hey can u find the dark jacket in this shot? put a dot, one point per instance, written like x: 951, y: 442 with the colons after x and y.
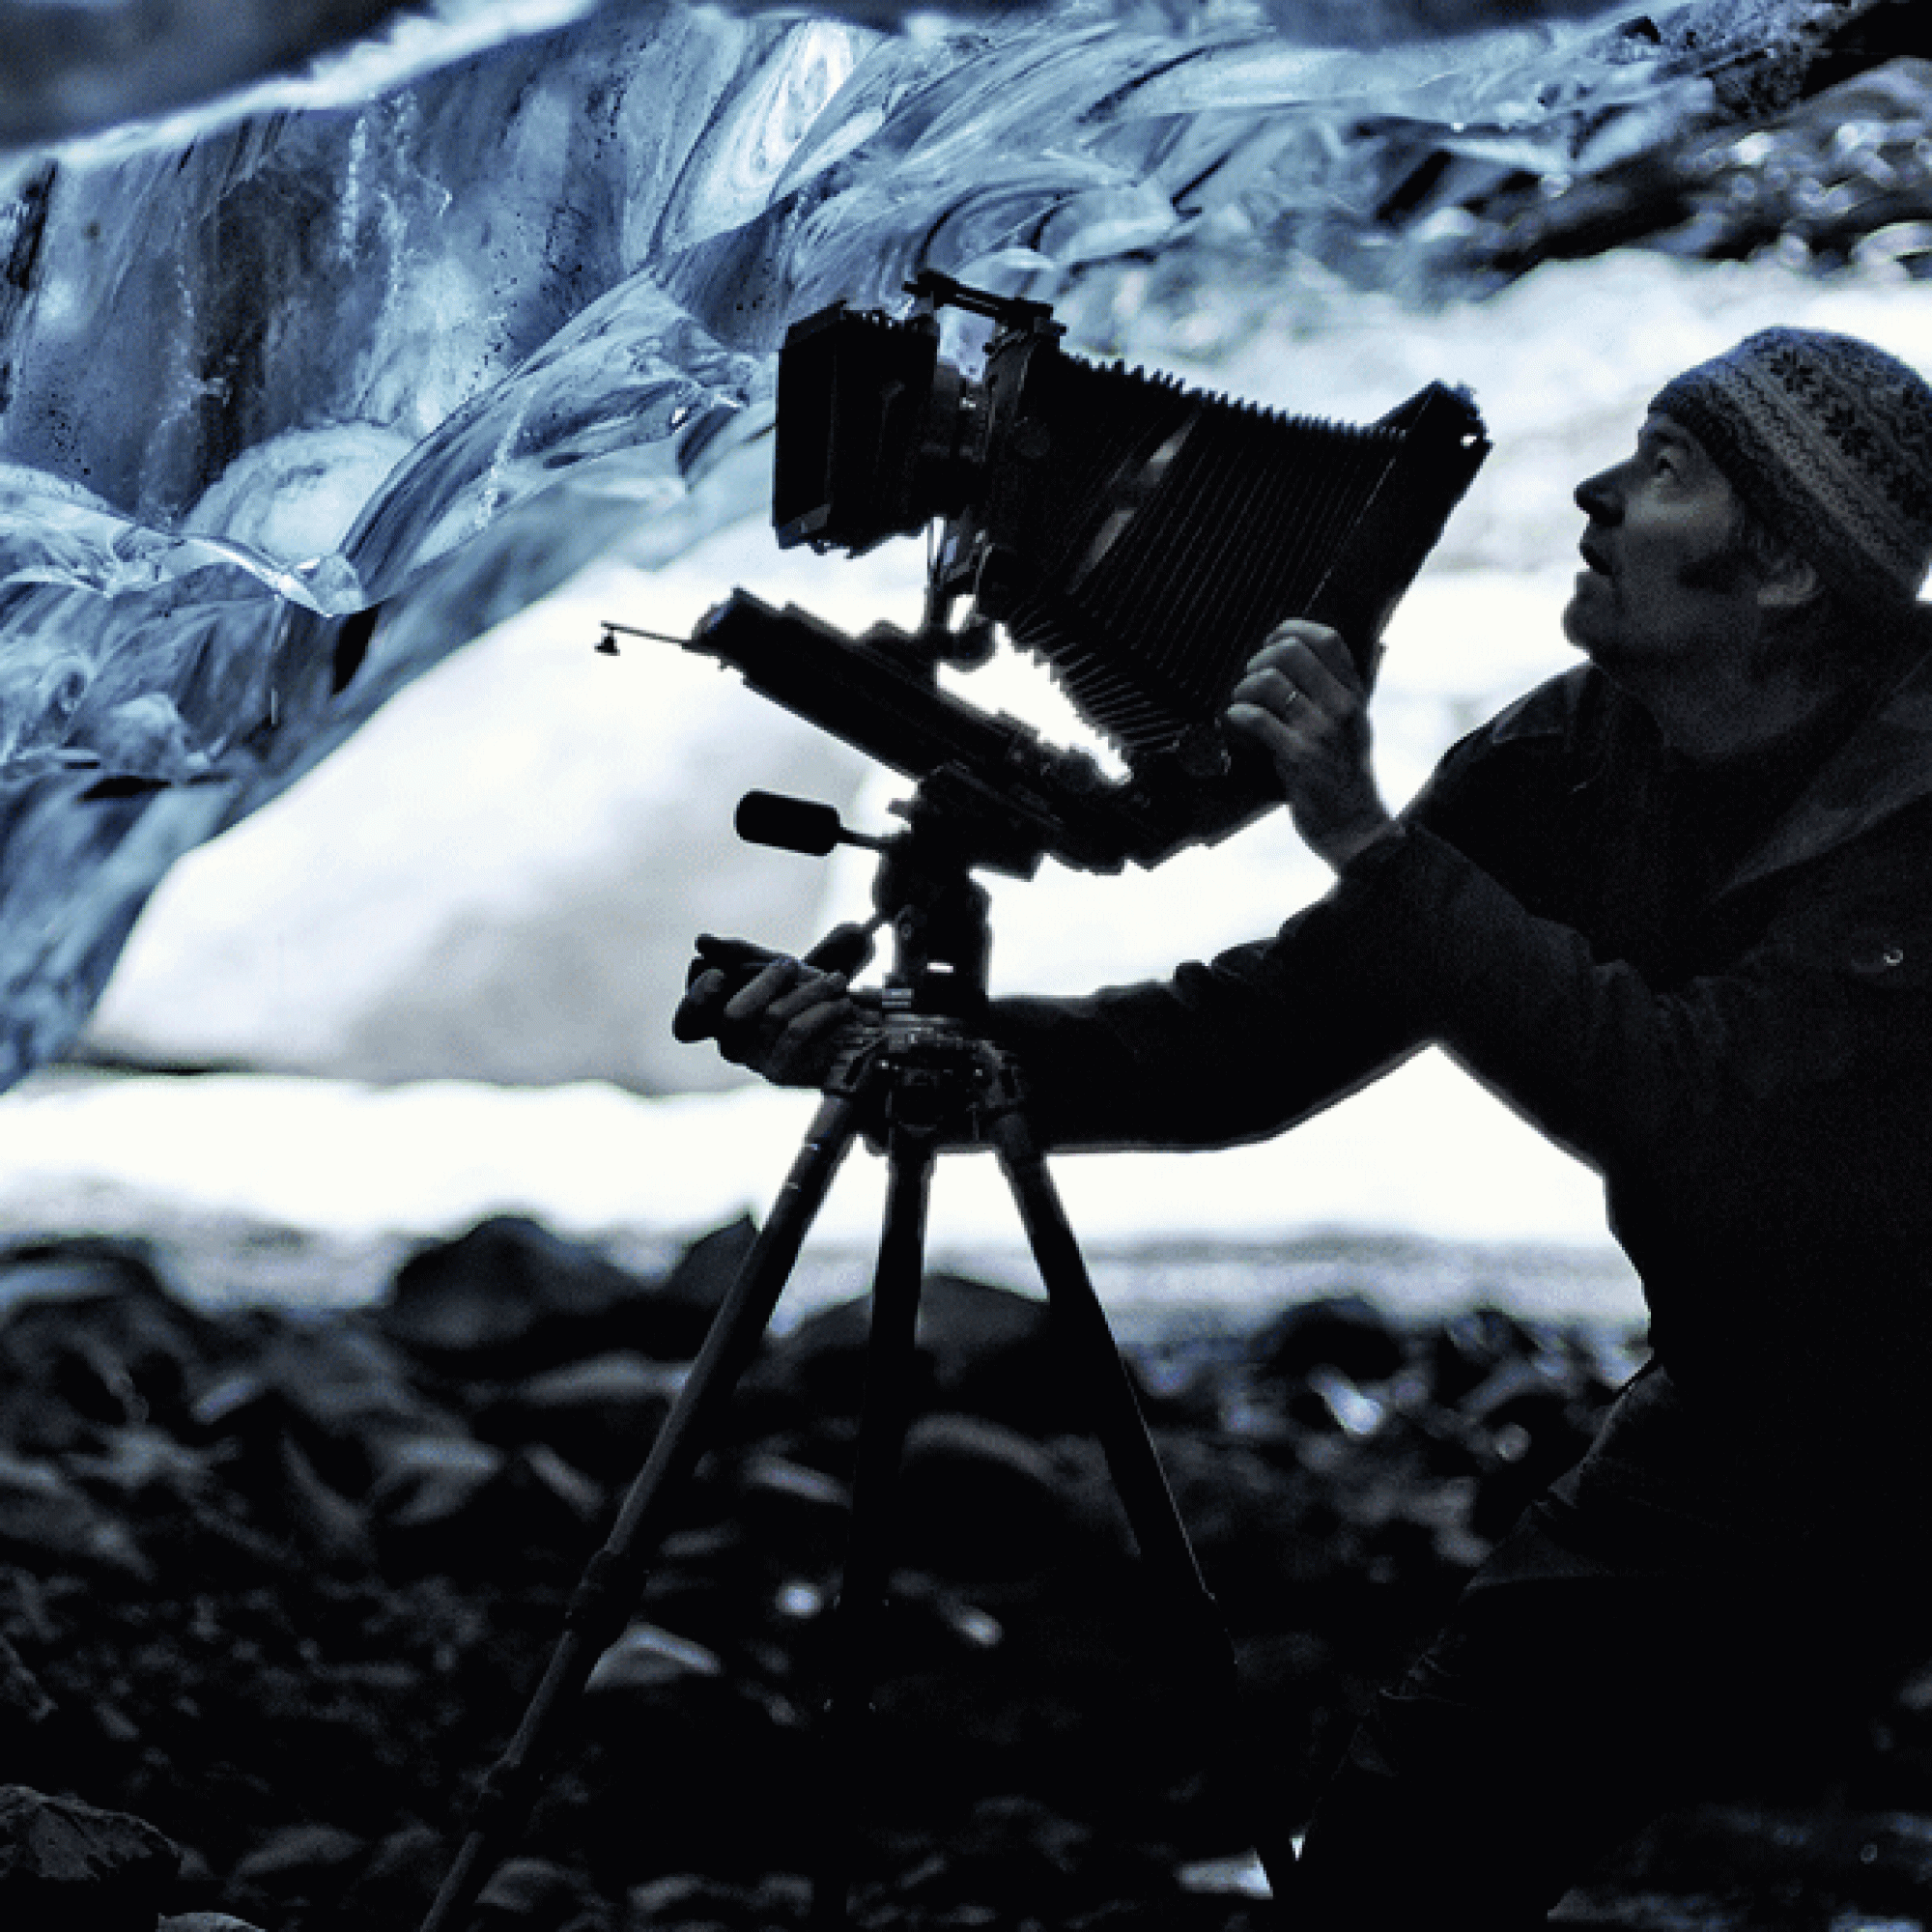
x: 1717, y: 991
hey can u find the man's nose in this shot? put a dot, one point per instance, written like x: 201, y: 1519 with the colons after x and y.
x: 1597, y: 495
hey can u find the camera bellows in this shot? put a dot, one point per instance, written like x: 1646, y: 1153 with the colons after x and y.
x: 1157, y: 535
x: 1141, y: 537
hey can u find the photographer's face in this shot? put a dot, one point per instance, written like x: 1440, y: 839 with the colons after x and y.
x: 1666, y: 573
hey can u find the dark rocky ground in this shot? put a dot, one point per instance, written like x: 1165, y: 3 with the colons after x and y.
x: 276, y: 1586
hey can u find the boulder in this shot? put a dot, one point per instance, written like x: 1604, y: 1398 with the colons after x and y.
x: 980, y: 1500
x: 696, y: 1760
x: 674, y: 1321
x: 301, y: 1865
x: 23, y: 1699
x: 91, y: 1337
x: 471, y: 1509
x: 1534, y: 1415
x: 1015, y: 1858
x: 48, y: 1521
x: 399, y: 1879
x: 601, y: 1415
x: 348, y: 1391
x: 532, y: 1894
x: 646, y: 1662
x: 796, y: 1516
x: 66, y: 1864
x: 685, y: 1900
x: 981, y: 1350
x: 1344, y: 1332
x: 1465, y: 1349
x: 508, y: 1297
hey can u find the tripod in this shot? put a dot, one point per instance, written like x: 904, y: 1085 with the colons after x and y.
x: 918, y: 1078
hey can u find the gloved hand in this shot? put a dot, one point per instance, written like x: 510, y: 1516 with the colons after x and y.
x: 784, y: 1019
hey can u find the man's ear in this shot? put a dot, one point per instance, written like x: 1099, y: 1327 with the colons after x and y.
x: 1788, y: 582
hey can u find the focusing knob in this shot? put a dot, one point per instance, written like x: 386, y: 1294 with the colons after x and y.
x: 794, y: 825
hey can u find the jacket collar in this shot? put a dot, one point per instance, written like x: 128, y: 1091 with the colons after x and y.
x: 1883, y: 765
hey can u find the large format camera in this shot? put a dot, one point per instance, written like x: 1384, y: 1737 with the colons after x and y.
x: 1139, y: 536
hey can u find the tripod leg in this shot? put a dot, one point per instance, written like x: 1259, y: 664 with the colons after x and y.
x: 890, y: 1356
x: 616, y: 1576
x: 1133, y: 1459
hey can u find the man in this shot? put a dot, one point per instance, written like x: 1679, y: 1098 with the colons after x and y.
x: 1676, y: 907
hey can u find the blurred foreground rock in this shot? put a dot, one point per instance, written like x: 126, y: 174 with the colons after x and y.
x: 275, y: 1586
x: 64, y: 1863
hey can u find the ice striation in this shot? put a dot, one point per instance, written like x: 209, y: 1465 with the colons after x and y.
x: 305, y: 384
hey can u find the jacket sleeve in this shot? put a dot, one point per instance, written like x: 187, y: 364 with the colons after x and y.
x: 1229, y: 1050
x: 1626, y: 1076
x: 1419, y: 943
x: 1268, y: 1034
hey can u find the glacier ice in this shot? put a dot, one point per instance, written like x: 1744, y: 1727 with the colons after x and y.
x: 303, y: 386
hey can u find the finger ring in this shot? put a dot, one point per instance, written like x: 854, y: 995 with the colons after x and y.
x: 1288, y: 702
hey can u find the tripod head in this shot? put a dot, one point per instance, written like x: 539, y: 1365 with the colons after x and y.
x: 915, y: 1063
x: 924, y: 890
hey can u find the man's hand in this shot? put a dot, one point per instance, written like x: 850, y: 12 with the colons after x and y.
x: 785, y: 1022
x: 1305, y: 704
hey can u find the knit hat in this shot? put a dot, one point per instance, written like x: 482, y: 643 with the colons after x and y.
x: 1829, y: 441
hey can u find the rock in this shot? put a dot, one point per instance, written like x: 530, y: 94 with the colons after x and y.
x: 47, y: 1520
x: 600, y: 1416
x: 1536, y: 1415
x: 698, y: 1724
x: 239, y: 1404
x: 1824, y: 1864
x: 1345, y: 1332
x: 532, y: 1895
x: 796, y: 1516
x: 1330, y: 1401
x: 361, y: 1557
x: 1015, y: 1858
x: 274, y: 1457
x: 979, y: 1500
x: 348, y: 1390
x: 983, y: 1349
x: 30, y: 1720
x: 1245, y: 1516
x: 698, y: 1763
x: 687, y: 1902
x: 301, y: 1865
x: 23, y: 1699
x: 91, y: 1337
x: 1466, y: 1349
x: 142, y: 1469
x: 1523, y: 1393
x: 646, y: 1660
x: 453, y: 1504
x: 675, y: 1319
x: 400, y: 1880
x: 321, y: 1520
x: 427, y: 1481
x: 309, y: 1422
x: 507, y: 1298
x: 65, y: 1864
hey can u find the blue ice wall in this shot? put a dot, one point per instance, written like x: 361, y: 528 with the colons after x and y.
x: 301, y: 388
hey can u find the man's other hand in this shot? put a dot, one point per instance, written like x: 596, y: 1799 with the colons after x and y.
x: 786, y: 1021
x: 1302, y: 700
